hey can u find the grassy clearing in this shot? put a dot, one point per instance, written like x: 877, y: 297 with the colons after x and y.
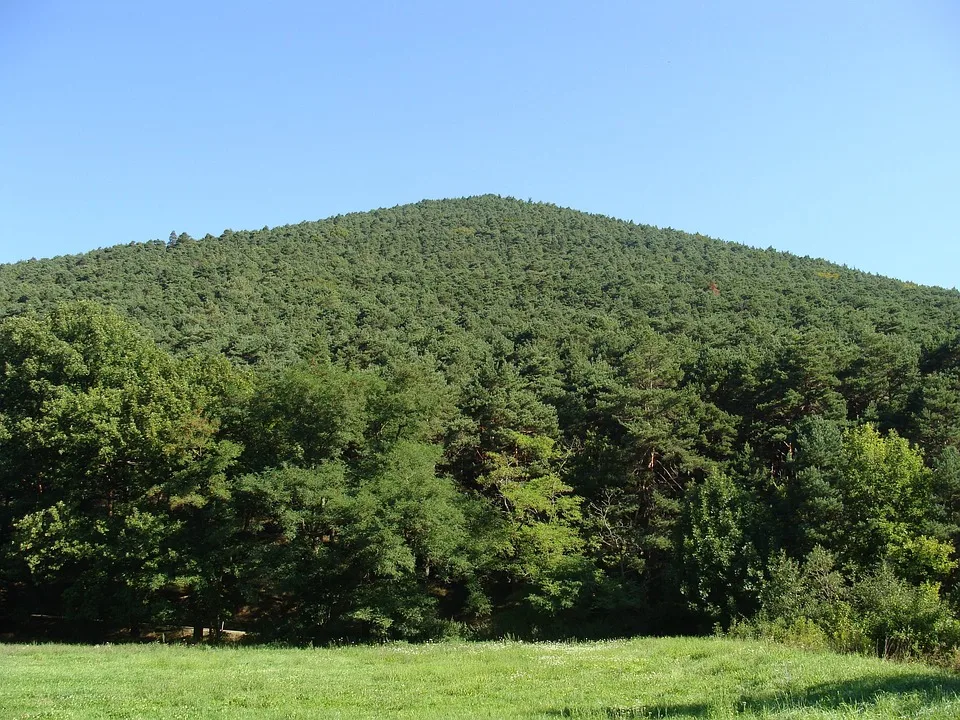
x: 675, y: 678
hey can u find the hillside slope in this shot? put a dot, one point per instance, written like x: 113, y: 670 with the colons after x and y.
x: 434, y: 273
x: 479, y: 417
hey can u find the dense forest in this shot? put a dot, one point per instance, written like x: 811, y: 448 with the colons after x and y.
x: 479, y: 417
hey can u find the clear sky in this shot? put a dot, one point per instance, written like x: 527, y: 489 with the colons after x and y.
x: 824, y: 127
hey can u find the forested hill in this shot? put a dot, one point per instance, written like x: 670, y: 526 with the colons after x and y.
x: 479, y: 417
x: 441, y: 276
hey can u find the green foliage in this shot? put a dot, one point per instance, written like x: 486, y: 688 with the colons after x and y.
x: 544, y: 561
x: 305, y: 415
x: 340, y: 558
x: 811, y: 603
x: 875, y: 503
x: 808, y: 603
x: 901, y: 619
x: 476, y: 416
x: 108, y: 454
x: 717, y: 560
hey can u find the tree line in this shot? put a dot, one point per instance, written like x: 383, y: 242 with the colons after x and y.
x: 479, y: 418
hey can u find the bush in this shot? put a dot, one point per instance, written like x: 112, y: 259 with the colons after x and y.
x: 810, y: 604
x: 801, y: 632
x: 904, y: 620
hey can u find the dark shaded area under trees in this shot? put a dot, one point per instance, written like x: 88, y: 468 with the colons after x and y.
x: 478, y: 417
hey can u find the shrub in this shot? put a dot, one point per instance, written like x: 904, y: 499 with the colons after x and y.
x: 904, y: 620
x: 810, y: 604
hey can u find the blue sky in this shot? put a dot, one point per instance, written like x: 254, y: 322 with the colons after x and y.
x: 829, y: 129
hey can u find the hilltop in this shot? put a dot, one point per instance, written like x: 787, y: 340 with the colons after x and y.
x: 437, y: 275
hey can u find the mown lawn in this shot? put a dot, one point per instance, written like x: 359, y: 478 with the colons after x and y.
x: 667, y: 678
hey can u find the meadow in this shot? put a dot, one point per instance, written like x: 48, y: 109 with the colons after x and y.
x: 665, y: 678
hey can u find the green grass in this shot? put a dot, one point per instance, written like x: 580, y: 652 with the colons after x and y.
x: 668, y: 678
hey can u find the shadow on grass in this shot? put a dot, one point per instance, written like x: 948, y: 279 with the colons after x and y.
x: 52, y: 629
x: 918, y: 689
x: 925, y: 689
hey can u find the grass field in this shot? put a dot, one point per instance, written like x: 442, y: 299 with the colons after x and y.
x: 667, y: 678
